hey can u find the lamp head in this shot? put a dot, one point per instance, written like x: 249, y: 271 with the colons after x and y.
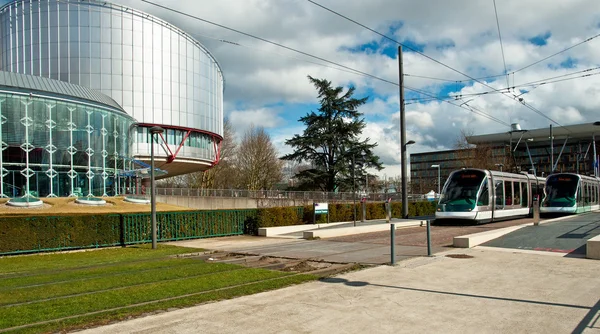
x: 156, y: 129
x: 410, y: 142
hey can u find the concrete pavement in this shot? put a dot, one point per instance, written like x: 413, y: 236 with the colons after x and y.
x: 491, y: 292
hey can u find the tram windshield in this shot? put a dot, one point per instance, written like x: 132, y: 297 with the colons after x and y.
x: 561, y: 190
x: 461, y: 189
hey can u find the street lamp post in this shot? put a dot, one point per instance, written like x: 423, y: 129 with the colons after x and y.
x: 438, y: 183
x: 354, y: 188
x: 404, y: 194
x: 153, y: 131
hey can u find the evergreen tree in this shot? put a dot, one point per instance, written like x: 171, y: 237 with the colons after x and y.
x: 330, y: 142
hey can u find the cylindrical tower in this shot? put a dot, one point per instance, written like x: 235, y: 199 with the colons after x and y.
x: 159, y: 74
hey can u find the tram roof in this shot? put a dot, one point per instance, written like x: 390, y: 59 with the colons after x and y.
x: 60, y: 89
x: 576, y: 131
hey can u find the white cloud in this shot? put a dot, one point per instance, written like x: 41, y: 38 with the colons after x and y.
x: 260, y: 75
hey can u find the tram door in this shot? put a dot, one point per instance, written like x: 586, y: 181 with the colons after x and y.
x: 499, y: 192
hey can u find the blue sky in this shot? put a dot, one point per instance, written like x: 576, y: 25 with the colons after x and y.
x: 267, y: 85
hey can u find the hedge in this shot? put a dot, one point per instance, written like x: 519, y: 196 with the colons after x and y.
x: 340, y: 212
x: 46, y: 233
x: 29, y: 234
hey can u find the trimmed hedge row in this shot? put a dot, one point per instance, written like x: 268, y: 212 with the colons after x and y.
x: 29, y: 234
x: 36, y: 233
x: 341, y: 212
x: 338, y: 212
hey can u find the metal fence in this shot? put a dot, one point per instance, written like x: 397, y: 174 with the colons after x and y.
x: 298, y: 195
x: 173, y: 226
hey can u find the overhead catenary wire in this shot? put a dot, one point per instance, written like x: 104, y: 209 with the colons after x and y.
x: 557, y: 53
x: 501, y: 46
x: 289, y: 48
x: 428, y: 57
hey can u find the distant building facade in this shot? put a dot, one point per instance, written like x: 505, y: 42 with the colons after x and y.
x: 573, y: 149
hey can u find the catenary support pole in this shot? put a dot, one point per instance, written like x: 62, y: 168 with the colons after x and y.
x: 402, y: 136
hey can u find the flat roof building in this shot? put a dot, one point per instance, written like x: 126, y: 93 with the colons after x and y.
x: 571, y: 149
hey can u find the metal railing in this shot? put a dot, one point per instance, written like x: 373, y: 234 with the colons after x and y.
x: 284, y: 194
x: 185, y: 225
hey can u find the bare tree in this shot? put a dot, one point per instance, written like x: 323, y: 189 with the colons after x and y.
x: 257, y: 161
x: 473, y: 156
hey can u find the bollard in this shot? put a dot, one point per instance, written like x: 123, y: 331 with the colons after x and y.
x: 536, y: 212
x: 392, y: 242
x: 428, y: 237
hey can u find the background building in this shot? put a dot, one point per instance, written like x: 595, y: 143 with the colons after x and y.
x: 572, y: 149
x: 154, y: 72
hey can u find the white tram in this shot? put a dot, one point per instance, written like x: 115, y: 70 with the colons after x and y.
x: 570, y: 193
x: 485, y: 196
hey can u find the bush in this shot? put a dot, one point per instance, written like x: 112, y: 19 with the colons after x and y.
x: 271, y: 217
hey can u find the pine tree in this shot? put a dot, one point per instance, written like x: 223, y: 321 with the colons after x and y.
x: 330, y: 143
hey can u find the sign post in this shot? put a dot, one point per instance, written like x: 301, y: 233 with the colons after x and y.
x: 363, y: 202
x: 320, y: 209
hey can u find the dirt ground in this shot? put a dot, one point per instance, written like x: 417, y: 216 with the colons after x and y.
x: 62, y: 205
x: 441, y: 235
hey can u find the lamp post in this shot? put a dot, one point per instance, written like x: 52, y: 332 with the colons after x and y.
x: 438, y: 167
x: 404, y: 194
x: 153, y: 131
x: 354, y: 188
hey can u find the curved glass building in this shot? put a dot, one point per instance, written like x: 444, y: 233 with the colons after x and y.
x: 153, y: 71
x: 60, y: 139
x: 100, y: 74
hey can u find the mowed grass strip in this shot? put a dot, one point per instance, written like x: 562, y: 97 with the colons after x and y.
x: 79, y: 305
x: 181, y: 268
x: 103, y: 318
x: 38, y: 263
x: 31, y: 280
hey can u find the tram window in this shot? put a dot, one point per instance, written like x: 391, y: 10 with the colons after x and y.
x: 524, y: 198
x: 499, y: 190
x: 516, y: 193
x: 508, y: 193
x: 484, y: 197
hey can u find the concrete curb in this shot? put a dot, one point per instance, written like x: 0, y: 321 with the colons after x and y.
x: 275, y: 231
x: 593, y: 248
x: 475, y: 239
x: 343, y: 231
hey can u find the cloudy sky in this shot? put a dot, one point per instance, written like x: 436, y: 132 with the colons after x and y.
x: 267, y: 85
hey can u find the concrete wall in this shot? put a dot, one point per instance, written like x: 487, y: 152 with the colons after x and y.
x: 215, y: 203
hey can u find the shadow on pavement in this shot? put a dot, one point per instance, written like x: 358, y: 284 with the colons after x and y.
x: 586, y: 320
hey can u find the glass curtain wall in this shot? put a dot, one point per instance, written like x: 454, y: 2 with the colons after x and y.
x: 158, y: 73
x: 54, y: 148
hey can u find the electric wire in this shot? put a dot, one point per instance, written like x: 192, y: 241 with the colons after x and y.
x: 501, y: 46
x: 282, y: 46
x: 557, y: 53
x: 428, y: 57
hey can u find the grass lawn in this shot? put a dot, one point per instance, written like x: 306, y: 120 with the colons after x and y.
x: 57, y: 206
x: 66, y: 291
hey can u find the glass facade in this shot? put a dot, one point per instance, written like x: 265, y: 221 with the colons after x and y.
x: 54, y: 145
x: 156, y: 72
